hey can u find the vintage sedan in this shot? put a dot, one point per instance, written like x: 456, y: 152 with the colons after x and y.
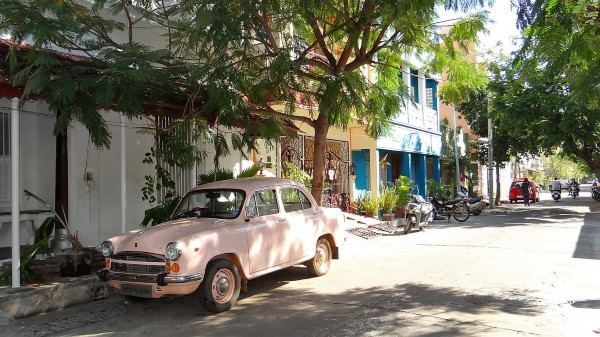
x: 221, y: 235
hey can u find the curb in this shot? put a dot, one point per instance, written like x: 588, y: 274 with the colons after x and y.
x: 28, y: 301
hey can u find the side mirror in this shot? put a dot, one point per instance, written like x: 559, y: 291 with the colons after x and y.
x: 250, y: 212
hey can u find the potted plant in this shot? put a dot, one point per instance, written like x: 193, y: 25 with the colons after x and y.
x: 367, y: 205
x: 73, y: 261
x: 387, y: 202
x: 402, y: 190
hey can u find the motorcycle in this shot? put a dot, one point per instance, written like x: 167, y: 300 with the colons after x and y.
x: 596, y: 193
x: 556, y: 195
x: 418, y: 213
x: 455, y: 208
x: 574, y: 190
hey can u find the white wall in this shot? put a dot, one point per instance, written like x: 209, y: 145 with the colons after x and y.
x: 95, y: 208
x: 37, y: 143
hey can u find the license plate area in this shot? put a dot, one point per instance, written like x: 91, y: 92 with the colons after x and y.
x: 136, y: 290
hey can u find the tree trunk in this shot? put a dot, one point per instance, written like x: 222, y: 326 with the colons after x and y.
x: 321, y: 129
x: 497, y: 199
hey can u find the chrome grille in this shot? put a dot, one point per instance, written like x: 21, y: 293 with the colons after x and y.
x: 137, y: 268
x: 138, y: 263
x: 138, y: 257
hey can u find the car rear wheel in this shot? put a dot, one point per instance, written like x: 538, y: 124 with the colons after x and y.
x: 220, y: 288
x: 320, y: 263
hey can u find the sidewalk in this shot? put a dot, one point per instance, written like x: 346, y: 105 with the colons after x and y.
x: 35, y: 299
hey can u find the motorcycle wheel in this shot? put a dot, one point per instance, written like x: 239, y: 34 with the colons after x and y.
x: 477, y: 212
x: 408, y: 225
x: 461, y: 213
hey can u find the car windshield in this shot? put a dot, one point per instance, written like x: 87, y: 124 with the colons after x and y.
x: 222, y: 203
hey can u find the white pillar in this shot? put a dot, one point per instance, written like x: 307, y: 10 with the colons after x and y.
x: 406, y: 76
x: 422, y: 96
x: 15, y: 188
x: 123, y: 175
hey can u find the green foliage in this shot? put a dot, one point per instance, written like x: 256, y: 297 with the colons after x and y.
x: 551, y: 78
x: 402, y: 189
x: 297, y: 174
x: 161, y: 213
x: 367, y: 204
x: 219, y: 174
x: 388, y: 198
x: 232, y: 59
x: 436, y: 189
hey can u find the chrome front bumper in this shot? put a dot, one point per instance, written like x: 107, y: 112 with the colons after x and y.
x: 161, y: 279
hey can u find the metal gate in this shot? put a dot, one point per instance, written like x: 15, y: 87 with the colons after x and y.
x: 300, y: 151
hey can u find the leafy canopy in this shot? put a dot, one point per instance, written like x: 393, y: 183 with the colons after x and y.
x: 321, y: 63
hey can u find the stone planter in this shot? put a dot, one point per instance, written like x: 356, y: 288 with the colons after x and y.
x: 72, y: 263
x: 387, y: 217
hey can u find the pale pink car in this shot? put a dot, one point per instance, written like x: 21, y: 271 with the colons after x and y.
x: 222, y: 235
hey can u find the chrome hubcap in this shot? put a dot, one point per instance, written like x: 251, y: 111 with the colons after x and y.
x: 223, y: 285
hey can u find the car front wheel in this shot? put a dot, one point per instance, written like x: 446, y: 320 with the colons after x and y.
x: 320, y: 263
x: 220, y: 288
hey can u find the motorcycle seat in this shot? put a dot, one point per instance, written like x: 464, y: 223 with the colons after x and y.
x: 452, y: 202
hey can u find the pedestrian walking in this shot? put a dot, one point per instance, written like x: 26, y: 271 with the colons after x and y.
x: 526, y: 191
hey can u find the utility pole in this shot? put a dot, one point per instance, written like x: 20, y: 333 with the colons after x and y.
x: 456, y: 152
x: 490, y: 164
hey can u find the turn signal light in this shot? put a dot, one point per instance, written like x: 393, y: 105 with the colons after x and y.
x: 107, y: 263
x: 175, y: 267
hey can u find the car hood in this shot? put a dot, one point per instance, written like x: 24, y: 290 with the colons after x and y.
x: 154, y: 239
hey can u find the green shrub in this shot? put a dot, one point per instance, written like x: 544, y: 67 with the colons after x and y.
x: 388, y: 199
x: 367, y: 204
x: 402, y: 189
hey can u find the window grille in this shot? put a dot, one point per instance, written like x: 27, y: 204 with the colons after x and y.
x: 429, y: 98
x: 181, y: 177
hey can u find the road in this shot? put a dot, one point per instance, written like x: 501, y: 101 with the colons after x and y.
x: 518, y: 271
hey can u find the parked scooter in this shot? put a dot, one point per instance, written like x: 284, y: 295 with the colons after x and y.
x: 556, y: 195
x: 455, y: 208
x: 474, y: 204
x: 419, y: 213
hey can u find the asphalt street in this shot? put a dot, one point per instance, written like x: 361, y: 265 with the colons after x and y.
x: 514, y: 271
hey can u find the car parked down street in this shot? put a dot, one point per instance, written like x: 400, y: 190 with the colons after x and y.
x: 515, y: 191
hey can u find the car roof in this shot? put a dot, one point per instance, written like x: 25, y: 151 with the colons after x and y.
x: 248, y: 184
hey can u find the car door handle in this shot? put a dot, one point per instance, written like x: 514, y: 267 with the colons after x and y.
x: 282, y: 219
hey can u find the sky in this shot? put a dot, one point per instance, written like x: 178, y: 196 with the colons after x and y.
x: 502, y: 27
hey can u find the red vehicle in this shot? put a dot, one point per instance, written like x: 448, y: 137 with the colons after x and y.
x: 515, y: 191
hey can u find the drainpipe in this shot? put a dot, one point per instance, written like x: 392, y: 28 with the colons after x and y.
x: 14, y: 176
x: 123, y: 175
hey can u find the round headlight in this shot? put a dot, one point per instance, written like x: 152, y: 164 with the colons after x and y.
x: 106, y: 248
x: 173, y: 252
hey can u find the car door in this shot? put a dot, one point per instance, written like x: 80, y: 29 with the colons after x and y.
x: 303, y: 219
x: 267, y: 233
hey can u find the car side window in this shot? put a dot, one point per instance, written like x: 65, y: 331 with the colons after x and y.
x: 294, y: 199
x: 265, y: 202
